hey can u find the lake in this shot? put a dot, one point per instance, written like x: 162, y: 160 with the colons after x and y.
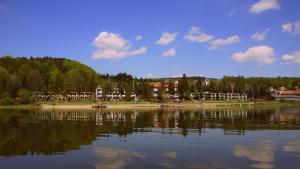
x: 217, y: 138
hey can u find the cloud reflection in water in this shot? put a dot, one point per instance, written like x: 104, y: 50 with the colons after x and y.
x: 292, y: 146
x: 114, y: 158
x: 262, y: 153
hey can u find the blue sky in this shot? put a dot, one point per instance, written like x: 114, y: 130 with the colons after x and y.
x: 211, y: 37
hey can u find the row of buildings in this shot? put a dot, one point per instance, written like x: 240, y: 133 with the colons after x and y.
x: 163, y: 87
x: 156, y: 87
x: 224, y: 96
x: 114, y: 95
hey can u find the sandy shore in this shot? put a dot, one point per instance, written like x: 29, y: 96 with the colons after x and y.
x: 138, y: 105
x: 109, y: 106
x: 194, y: 105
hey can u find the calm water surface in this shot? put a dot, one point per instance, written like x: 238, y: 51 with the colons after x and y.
x: 226, y: 138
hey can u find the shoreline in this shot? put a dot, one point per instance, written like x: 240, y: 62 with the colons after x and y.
x: 142, y: 105
x: 109, y: 106
x: 213, y: 104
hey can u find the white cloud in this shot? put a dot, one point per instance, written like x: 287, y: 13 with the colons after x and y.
x: 221, y: 42
x: 111, y: 40
x: 170, y: 52
x: 288, y: 27
x: 264, y: 5
x: 114, y: 46
x: 260, y: 54
x: 195, y: 30
x: 177, y: 75
x: 293, y: 28
x: 139, y: 37
x: 260, y: 36
x: 166, y: 38
x: 149, y: 75
x: 195, y: 35
x: 292, y: 58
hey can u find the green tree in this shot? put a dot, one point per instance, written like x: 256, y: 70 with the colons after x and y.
x: 144, y: 90
x: 6, y: 99
x: 55, y: 82
x: 184, y: 88
x: 213, y: 86
x: 171, y: 87
x: 129, y: 90
x: 25, y: 96
x: 160, y: 93
x: 199, y: 86
x: 108, y: 87
x: 4, y: 78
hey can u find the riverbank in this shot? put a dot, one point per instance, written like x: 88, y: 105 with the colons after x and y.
x: 144, y: 104
x: 185, y: 104
x: 109, y: 106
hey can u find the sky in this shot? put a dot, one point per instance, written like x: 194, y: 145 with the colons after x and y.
x: 166, y: 38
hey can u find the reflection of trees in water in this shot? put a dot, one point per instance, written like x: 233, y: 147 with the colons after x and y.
x: 20, y: 134
x: 24, y: 131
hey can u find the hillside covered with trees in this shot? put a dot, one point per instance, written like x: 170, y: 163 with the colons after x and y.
x: 21, y: 76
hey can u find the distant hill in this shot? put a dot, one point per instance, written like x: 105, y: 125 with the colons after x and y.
x: 45, y: 74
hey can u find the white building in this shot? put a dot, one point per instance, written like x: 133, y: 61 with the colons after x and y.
x: 99, y: 92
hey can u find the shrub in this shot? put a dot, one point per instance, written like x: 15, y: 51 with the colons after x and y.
x: 25, y: 96
x: 6, y: 99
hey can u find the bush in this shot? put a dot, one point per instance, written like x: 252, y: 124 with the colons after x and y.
x: 25, y: 96
x: 6, y: 99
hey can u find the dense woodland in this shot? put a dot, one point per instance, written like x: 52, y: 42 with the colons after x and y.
x: 21, y: 76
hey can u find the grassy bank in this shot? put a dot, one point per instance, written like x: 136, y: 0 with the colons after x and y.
x: 29, y: 106
x: 196, y: 104
x: 144, y: 104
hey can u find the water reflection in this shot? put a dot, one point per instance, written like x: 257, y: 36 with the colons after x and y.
x: 232, y: 121
x: 169, y: 154
x: 114, y: 158
x: 212, y: 164
x: 37, y: 132
x: 292, y: 146
x: 168, y: 158
x: 262, y: 153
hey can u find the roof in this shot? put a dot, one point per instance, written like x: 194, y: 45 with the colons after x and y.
x: 166, y: 85
x: 290, y: 92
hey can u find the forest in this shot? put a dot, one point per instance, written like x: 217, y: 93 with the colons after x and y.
x: 21, y: 76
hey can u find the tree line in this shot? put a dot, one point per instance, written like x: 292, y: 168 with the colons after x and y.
x: 20, y: 76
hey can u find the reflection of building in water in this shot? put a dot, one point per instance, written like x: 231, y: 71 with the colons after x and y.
x: 233, y: 121
x: 286, y: 116
x: 72, y: 116
x: 98, y: 119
